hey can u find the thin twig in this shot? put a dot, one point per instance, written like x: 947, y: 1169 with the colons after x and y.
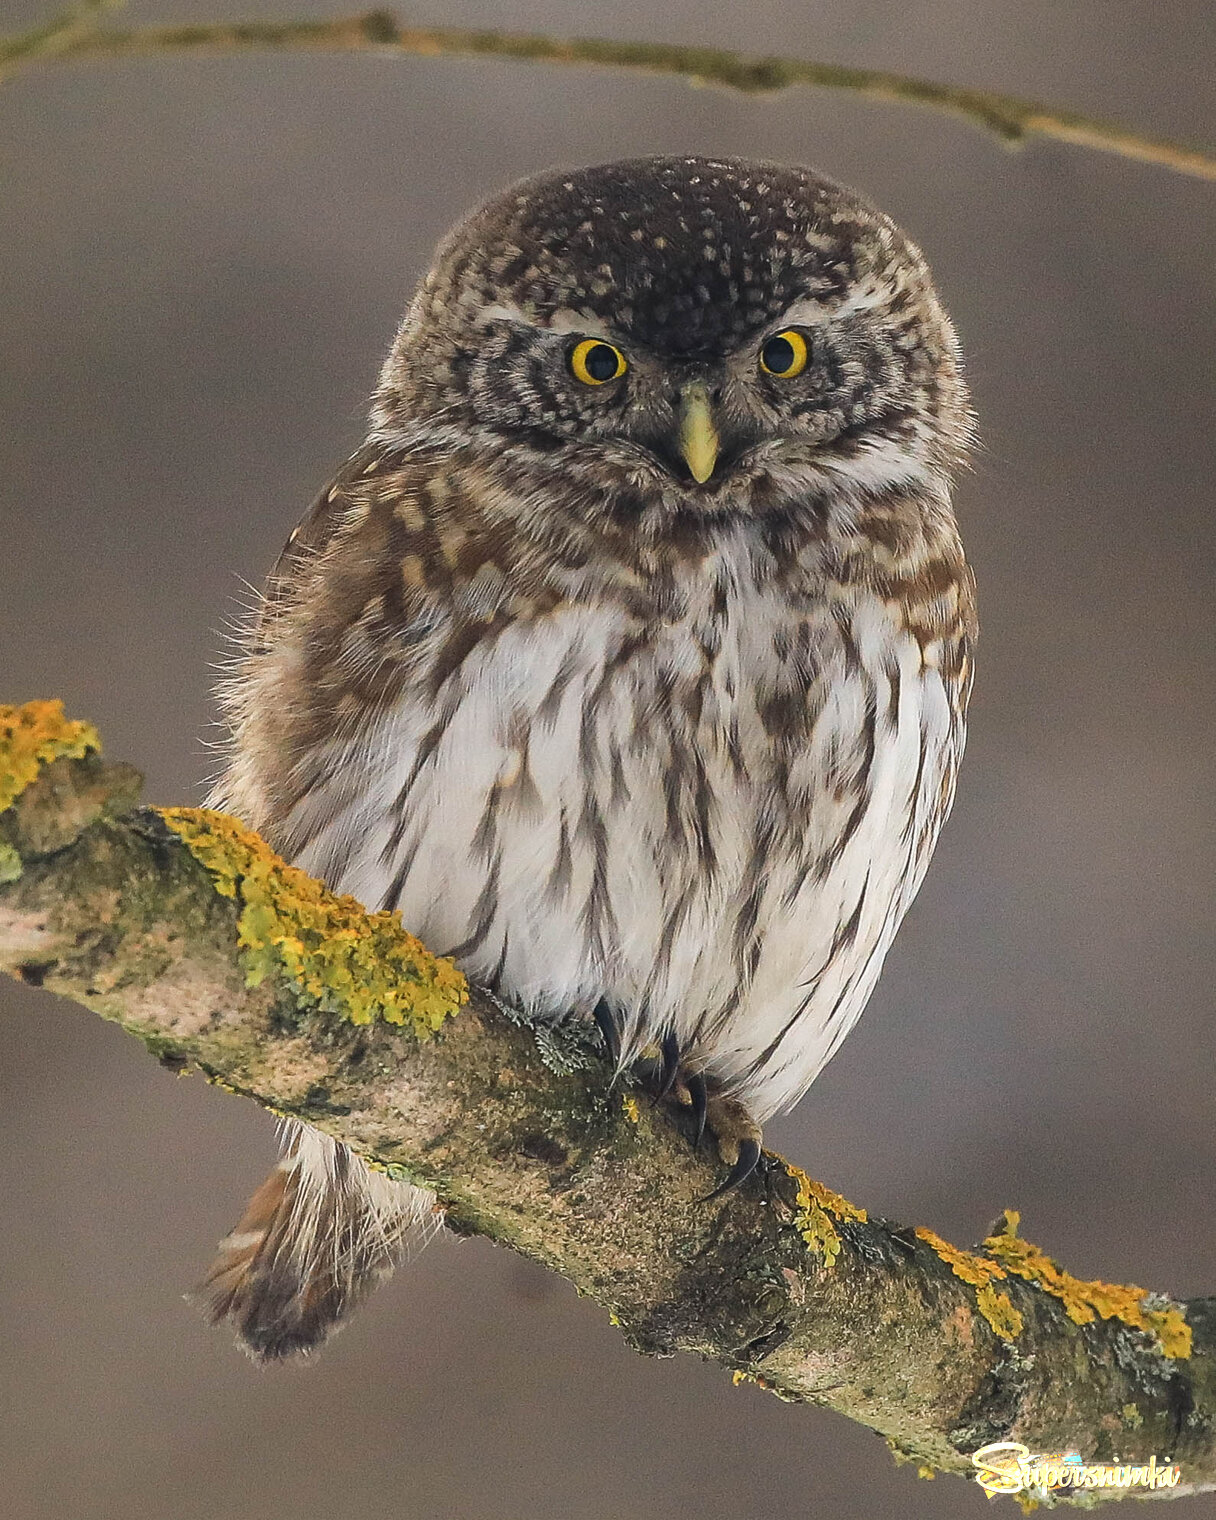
x: 53, y: 36
x: 1008, y: 116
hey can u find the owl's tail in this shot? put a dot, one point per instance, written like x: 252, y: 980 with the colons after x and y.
x: 318, y: 1235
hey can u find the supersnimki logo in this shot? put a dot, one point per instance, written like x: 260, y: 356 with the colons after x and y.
x: 1009, y: 1467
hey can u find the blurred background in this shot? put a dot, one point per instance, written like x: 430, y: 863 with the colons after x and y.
x: 202, y: 264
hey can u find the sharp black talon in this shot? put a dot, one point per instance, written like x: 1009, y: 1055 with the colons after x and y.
x: 609, y: 1032
x: 668, y: 1068
x: 749, y: 1157
x: 700, y: 1103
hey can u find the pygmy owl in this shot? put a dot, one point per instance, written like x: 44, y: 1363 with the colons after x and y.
x: 628, y: 657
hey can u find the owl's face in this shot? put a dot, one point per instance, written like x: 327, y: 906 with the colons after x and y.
x: 720, y: 333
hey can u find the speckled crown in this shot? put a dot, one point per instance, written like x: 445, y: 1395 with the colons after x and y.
x: 691, y: 256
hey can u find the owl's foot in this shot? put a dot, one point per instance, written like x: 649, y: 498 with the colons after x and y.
x: 738, y: 1137
x: 692, y: 1090
x: 736, y: 1133
x: 665, y: 1057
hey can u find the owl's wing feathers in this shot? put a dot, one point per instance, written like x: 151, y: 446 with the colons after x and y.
x: 362, y: 582
x: 311, y: 535
x: 322, y: 1229
x: 396, y: 563
x: 310, y: 652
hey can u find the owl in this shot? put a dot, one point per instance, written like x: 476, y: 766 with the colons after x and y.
x: 628, y: 657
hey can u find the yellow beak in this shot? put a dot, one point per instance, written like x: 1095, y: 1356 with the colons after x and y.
x: 699, y: 441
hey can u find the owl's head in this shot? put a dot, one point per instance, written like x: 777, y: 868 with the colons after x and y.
x: 719, y: 332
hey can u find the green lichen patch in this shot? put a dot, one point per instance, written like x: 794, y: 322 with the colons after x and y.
x: 10, y: 863
x: 331, y: 953
x: 815, y: 1209
x: 1085, y: 1301
x: 979, y: 1273
x: 33, y: 735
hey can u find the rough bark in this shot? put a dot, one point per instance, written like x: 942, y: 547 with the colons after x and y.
x: 525, y: 1141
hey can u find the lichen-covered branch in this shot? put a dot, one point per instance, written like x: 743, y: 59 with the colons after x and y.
x: 1009, y: 116
x: 186, y: 930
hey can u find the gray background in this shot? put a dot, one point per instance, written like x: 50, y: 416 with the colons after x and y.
x: 202, y: 263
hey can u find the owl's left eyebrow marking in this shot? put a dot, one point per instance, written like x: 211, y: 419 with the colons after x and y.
x: 804, y: 313
x: 564, y: 320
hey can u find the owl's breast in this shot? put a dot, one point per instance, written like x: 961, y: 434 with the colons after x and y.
x: 714, y: 819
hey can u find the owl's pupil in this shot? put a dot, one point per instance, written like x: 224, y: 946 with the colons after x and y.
x: 778, y: 355
x: 601, y: 362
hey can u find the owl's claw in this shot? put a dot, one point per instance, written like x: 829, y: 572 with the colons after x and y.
x: 669, y: 1068
x: 698, y: 1098
x: 738, y: 1136
x: 746, y: 1163
x: 736, y: 1132
x: 609, y: 1032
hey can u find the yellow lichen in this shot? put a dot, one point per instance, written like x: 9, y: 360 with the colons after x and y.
x: 1085, y: 1301
x: 809, y: 1189
x: 820, y: 1234
x: 979, y: 1273
x: 997, y: 1309
x: 1171, y: 1329
x: 815, y: 1207
x: 630, y: 1104
x: 926, y: 1472
x: 33, y: 735
x: 1009, y: 1255
x: 332, y: 954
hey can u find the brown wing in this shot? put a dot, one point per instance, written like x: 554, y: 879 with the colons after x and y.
x: 310, y: 536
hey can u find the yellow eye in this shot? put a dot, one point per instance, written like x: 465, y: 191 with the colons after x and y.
x: 593, y: 362
x: 785, y: 354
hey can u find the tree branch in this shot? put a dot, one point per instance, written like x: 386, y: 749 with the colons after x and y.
x: 1010, y: 117
x: 186, y: 930
x: 53, y: 36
